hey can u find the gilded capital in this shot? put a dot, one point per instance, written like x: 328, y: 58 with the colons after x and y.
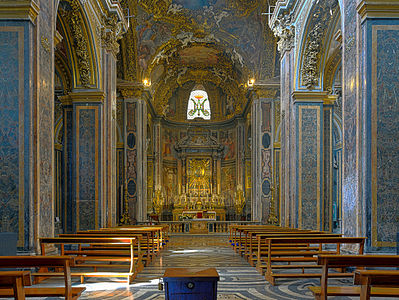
x: 130, y: 90
x: 26, y: 10
x: 111, y: 32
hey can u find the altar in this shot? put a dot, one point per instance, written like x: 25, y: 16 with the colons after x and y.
x: 216, y: 214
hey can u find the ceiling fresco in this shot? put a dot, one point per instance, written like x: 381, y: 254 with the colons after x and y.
x: 223, y: 42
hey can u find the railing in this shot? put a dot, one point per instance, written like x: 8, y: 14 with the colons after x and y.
x: 213, y: 226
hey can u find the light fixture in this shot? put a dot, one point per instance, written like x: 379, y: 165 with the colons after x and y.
x: 251, y: 82
x: 146, y: 82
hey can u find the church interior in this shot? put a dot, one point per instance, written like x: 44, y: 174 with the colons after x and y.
x: 198, y: 131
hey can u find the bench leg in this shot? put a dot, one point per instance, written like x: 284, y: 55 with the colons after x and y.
x: 82, y: 279
x: 19, y: 292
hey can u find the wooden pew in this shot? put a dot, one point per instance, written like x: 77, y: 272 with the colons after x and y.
x: 262, y: 249
x: 144, y: 249
x: 308, y: 256
x: 134, y: 264
x: 372, y: 280
x: 249, y: 252
x: 63, y: 262
x: 343, y: 261
x: 15, y: 280
x: 163, y: 230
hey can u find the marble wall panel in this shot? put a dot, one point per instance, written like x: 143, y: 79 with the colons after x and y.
x: 309, y: 166
x: 15, y: 129
x: 384, y: 133
x: 10, y: 122
x: 88, y: 153
x: 70, y: 205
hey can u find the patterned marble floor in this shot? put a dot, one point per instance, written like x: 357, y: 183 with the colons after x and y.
x: 238, y: 280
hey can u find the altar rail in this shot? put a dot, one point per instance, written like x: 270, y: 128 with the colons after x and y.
x: 213, y: 226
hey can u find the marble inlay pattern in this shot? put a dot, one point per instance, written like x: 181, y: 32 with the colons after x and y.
x: 238, y: 280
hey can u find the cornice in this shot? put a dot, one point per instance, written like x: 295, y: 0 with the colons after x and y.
x: 310, y: 97
x: 83, y: 97
x: 129, y: 89
x: 378, y: 9
x: 25, y: 10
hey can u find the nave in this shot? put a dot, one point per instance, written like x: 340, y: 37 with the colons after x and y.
x: 238, y: 280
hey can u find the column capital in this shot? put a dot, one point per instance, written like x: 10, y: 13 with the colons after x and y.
x: 312, y: 97
x: 130, y: 89
x: 266, y: 91
x: 330, y: 100
x: 83, y: 97
x: 378, y: 9
x: 25, y: 10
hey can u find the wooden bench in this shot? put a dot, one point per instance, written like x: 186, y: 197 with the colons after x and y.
x: 377, y: 283
x: 260, y: 253
x: 306, y: 256
x: 247, y: 235
x: 15, y: 280
x: 250, y: 236
x: 343, y: 261
x: 133, y: 266
x: 62, y: 262
x: 144, y: 249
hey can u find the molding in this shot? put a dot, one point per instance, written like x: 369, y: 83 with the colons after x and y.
x: 330, y: 100
x: 315, y: 97
x: 25, y: 10
x: 83, y: 97
x: 57, y: 38
x: 378, y: 9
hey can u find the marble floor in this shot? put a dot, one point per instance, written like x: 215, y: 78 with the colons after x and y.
x: 238, y: 280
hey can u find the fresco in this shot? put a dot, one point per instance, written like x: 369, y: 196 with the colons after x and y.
x: 227, y: 138
x: 169, y: 139
x: 238, y: 25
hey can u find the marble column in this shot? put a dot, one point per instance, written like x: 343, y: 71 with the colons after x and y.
x: 26, y: 126
x: 376, y: 132
x: 309, y: 159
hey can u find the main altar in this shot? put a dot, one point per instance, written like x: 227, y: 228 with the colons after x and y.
x: 198, y: 177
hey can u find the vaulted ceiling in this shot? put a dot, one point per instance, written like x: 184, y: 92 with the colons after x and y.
x: 176, y: 44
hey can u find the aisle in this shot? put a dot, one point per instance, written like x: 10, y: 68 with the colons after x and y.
x: 238, y: 280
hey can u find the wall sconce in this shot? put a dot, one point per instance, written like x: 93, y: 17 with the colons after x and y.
x: 146, y: 82
x: 251, y: 82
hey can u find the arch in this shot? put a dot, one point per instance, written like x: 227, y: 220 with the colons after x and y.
x: 316, y: 36
x: 76, y: 30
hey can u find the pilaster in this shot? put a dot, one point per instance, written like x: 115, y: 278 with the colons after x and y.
x: 378, y: 123
x: 88, y: 165
x: 135, y: 150
x: 309, y: 159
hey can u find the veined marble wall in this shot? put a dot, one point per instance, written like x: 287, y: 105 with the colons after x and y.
x: 351, y: 121
x: 87, y: 173
x: 309, y: 165
x: 15, y: 129
x: 381, y: 132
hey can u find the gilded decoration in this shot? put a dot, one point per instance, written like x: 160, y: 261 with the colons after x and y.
x: 111, y: 32
x: 312, y: 52
x: 198, y: 41
x: 71, y: 12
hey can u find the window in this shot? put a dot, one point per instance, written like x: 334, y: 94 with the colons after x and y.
x: 198, y: 105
